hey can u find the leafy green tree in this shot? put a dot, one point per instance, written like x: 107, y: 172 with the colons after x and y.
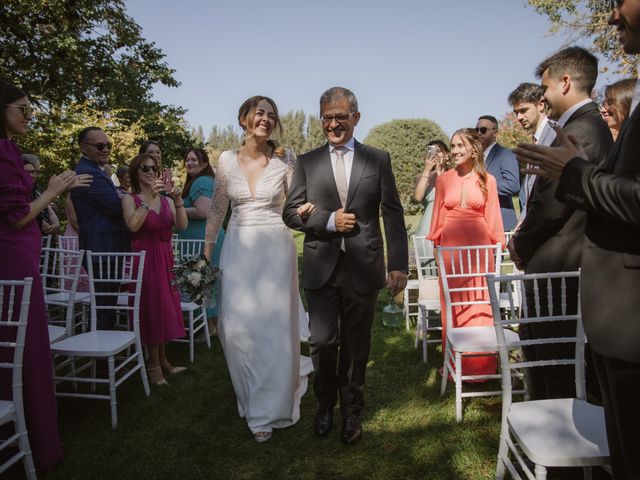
x: 587, y: 19
x: 406, y: 142
x: 511, y: 133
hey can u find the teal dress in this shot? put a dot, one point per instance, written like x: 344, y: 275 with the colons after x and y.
x: 202, y: 186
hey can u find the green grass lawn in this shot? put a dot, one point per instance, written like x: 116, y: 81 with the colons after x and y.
x: 191, y: 430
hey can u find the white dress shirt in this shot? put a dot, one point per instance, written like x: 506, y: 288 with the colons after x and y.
x: 348, y: 164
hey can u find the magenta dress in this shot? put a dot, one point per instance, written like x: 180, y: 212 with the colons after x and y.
x: 21, y: 258
x: 160, y: 312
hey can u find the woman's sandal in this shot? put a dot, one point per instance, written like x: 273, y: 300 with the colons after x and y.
x: 262, y: 437
x: 171, y: 370
x: 160, y: 383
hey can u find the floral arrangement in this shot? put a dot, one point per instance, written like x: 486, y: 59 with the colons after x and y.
x: 195, y: 277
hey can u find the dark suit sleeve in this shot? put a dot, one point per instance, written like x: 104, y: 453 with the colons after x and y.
x: 509, y: 173
x: 546, y: 215
x: 297, y: 196
x: 589, y: 188
x: 101, y: 195
x: 393, y: 218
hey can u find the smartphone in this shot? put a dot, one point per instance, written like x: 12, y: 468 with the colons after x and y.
x: 167, y: 179
x: 432, y: 150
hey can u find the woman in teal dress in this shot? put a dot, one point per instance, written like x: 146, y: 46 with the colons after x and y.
x: 425, y: 191
x: 197, y: 195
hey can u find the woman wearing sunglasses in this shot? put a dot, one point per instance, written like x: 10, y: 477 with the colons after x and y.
x: 151, y: 217
x: 20, y: 243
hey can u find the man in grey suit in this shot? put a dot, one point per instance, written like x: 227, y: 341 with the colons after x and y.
x: 550, y: 236
x: 610, y: 195
x: 343, y: 266
x: 501, y: 163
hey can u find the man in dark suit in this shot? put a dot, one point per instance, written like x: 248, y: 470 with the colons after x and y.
x: 343, y: 265
x: 610, y: 195
x: 501, y: 163
x: 98, y: 207
x: 550, y: 237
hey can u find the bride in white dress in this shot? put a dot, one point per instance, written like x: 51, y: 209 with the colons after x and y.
x: 259, y: 302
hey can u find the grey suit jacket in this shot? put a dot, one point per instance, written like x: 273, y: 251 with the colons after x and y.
x: 550, y: 237
x: 372, y: 188
x: 610, y: 194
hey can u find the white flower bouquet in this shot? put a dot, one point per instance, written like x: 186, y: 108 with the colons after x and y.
x: 195, y: 278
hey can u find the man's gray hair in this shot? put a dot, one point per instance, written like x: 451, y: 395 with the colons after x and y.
x: 335, y: 94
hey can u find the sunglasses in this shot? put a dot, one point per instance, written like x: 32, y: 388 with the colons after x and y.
x: 27, y: 110
x: 148, y: 168
x: 100, y: 146
x: 483, y: 130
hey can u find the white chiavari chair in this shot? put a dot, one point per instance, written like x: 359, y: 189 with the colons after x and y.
x: 428, y: 321
x: 565, y: 432
x: 15, y: 297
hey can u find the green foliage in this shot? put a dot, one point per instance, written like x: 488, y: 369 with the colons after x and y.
x: 86, y: 63
x: 587, y: 19
x: 511, y: 133
x: 406, y: 142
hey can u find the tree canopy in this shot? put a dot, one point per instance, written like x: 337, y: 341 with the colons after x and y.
x: 406, y: 141
x: 587, y: 19
x: 84, y: 63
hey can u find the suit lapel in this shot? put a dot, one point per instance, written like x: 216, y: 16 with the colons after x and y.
x: 492, y: 154
x: 357, y: 169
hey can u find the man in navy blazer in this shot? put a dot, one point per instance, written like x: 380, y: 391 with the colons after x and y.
x: 502, y: 164
x: 98, y: 208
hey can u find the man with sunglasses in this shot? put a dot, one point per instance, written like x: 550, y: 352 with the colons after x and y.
x: 609, y: 194
x: 501, y: 163
x: 98, y: 207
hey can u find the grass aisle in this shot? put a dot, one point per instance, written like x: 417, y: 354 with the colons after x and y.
x: 191, y: 430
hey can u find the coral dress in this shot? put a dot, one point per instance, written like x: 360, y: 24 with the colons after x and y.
x: 21, y: 258
x: 479, y: 222
x: 160, y: 312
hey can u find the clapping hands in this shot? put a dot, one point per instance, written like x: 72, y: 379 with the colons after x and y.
x: 67, y: 180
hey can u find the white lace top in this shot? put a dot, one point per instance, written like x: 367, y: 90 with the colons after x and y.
x: 263, y: 211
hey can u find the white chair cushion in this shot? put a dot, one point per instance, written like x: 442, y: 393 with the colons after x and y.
x: 477, y: 339
x: 98, y: 343
x: 56, y: 333
x: 63, y: 297
x: 7, y: 411
x: 189, y: 306
x: 561, y: 432
x: 432, y: 304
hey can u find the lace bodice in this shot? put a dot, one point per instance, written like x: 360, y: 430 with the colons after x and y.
x: 263, y: 211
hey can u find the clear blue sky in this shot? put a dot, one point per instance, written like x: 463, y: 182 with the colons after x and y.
x: 446, y: 60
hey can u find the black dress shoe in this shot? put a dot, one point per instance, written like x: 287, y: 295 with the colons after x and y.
x: 351, y: 429
x: 323, y: 422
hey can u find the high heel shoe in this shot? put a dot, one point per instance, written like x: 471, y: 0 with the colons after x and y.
x: 171, y: 370
x: 162, y: 382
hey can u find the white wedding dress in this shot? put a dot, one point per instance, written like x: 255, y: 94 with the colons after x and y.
x: 260, y: 311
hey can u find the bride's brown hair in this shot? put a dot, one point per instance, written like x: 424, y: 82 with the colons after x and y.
x: 248, y: 110
x: 472, y: 139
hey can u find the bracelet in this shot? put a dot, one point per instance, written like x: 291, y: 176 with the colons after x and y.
x: 144, y: 205
x: 425, y: 176
x: 179, y: 206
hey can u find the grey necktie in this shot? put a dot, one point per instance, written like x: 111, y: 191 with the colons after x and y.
x: 341, y: 174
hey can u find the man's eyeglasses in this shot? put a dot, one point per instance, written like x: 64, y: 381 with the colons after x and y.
x: 483, y: 130
x: 340, y: 118
x: 100, y: 146
x: 148, y: 168
x: 27, y: 110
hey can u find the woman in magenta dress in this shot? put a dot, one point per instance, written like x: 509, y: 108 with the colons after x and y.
x: 20, y: 243
x: 466, y: 211
x: 151, y: 216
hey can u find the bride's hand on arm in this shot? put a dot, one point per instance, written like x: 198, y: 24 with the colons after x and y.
x: 306, y: 210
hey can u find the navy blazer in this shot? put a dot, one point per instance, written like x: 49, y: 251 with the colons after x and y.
x: 502, y: 164
x: 99, y: 212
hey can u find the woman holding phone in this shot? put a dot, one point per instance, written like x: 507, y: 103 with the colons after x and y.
x: 425, y: 191
x: 151, y: 216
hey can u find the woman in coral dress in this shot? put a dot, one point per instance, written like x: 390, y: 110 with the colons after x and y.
x: 151, y: 216
x: 467, y: 212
